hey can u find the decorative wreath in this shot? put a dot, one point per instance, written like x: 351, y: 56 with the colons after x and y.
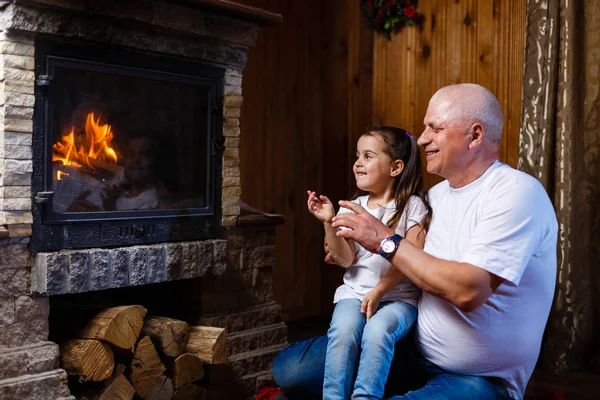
x: 387, y: 16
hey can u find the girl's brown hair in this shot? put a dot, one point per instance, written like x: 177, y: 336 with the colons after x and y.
x: 401, y: 145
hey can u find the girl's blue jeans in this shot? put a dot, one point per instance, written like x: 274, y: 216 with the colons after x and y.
x: 299, y: 369
x: 359, y: 353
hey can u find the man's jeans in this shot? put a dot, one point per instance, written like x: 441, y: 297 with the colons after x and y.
x: 299, y: 369
x: 355, y: 344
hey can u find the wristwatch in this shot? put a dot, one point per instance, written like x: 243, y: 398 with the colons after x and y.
x: 388, y: 246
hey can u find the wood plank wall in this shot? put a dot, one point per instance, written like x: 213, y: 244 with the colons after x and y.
x: 479, y: 41
x: 313, y: 84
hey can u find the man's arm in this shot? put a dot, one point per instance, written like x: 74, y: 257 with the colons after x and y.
x: 464, y: 285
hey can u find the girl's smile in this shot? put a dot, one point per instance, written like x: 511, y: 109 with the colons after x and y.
x: 373, y: 166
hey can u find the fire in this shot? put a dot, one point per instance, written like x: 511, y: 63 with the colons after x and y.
x: 93, y: 145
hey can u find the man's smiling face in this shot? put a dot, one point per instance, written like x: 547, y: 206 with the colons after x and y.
x: 445, y: 141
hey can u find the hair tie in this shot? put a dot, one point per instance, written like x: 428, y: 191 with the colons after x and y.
x: 408, y: 134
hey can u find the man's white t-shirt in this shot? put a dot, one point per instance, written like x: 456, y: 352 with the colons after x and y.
x: 504, y: 223
x: 369, y: 268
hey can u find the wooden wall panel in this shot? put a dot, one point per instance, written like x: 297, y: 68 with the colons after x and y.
x: 307, y: 97
x: 280, y: 142
x: 479, y: 41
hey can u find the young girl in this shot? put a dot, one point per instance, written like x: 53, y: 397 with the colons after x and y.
x: 376, y: 305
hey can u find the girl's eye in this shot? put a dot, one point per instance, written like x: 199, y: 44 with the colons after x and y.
x: 367, y: 156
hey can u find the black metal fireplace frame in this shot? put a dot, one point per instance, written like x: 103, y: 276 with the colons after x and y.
x: 106, y: 229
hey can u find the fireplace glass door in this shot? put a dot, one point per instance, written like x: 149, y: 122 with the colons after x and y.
x: 128, y: 141
x: 127, y: 137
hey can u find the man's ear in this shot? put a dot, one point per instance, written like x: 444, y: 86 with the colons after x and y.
x: 397, y: 168
x: 477, y: 133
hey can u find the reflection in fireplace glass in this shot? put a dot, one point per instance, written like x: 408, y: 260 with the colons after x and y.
x: 123, y: 143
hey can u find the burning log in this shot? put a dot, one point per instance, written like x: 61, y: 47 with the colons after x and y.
x: 89, y: 360
x: 190, y: 392
x: 79, y: 149
x: 186, y: 368
x: 145, y: 367
x: 119, y: 326
x: 208, y: 344
x: 170, y: 336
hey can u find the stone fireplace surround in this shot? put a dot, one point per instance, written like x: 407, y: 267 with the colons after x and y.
x: 232, y: 270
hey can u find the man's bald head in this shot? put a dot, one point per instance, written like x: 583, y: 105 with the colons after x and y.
x: 472, y: 103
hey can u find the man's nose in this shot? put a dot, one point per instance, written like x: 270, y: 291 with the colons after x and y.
x: 423, y: 138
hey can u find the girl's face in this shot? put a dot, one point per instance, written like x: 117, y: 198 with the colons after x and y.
x: 373, y: 167
x: 139, y: 161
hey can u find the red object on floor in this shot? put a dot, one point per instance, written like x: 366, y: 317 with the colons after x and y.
x: 267, y: 393
x: 558, y: 396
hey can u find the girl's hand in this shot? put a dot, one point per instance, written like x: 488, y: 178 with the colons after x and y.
x: 370, y: 303
x: 111, y: 194
x: 320, y: 207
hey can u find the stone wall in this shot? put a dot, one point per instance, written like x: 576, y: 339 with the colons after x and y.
x: 16, y: 129
x: 28, y: 362
x: 79, y: 271
x: 241, y: 300
x: 232, y: 188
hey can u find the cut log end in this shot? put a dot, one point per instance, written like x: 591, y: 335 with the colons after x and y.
x: 170, y: 336
x: 119, y: 389
x: 161, y: 389
x: 185, y: 369
x: 190, y: 392
x: 119, y: 326
x: 145, y: 367
x: 208, y: 343
x: 89, y: 360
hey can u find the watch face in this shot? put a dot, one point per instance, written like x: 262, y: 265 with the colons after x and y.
x: 388, y: 246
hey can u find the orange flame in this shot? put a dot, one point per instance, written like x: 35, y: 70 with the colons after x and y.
x: 95, y: 146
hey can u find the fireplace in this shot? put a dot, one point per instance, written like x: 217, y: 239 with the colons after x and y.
x: 131, y: 148
x: 119, y: 176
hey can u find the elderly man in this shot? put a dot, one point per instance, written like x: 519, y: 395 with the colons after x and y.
x: 487, y: 271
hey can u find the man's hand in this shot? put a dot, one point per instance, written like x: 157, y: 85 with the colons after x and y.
x: 370, y: 303
x: 363, y: 227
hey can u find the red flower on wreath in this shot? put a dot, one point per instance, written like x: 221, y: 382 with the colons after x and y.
x: 410, y: 11
x: 387, y: 16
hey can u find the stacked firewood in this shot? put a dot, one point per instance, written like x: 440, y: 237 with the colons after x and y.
x: 119, y: 354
